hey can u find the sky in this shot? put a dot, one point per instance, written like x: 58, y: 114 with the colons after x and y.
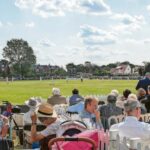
x: 65, y: 31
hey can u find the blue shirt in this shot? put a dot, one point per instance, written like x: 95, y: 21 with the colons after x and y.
x: 86, y: 114
x: 79, y: 107
x: 74, y: 99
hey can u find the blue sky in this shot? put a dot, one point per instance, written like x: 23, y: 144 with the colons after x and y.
x: 64, y: 31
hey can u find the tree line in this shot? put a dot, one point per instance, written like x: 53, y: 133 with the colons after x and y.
x: 19, y: 60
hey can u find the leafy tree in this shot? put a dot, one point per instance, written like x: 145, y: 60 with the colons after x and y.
x: 71, y: 69
x: 147, y: 67
x: 141, y: 71
x: 20, y: 56
x: 4, y: 68
x: 60, y: 72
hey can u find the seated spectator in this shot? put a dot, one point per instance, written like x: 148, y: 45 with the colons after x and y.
x: 100, y: 103
x: 56, y: 98
x: 126, y: 93
x: 75, y: 98
x: 77, y: 108
x: 90, y: 111
x: 109, y: 110
x: 131, y: 127
x: 141, y: 94
x: 33, y: 104
x: 115, y: 92
x: 48, y: 117
x: 4, y: 126
x: 120, y: 101
x: 134, y: 97
x: 8, y: 110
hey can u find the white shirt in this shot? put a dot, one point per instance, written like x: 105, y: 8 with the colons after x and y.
x: 27, y: 118
x: 51, y: 129
x: 132, y: 128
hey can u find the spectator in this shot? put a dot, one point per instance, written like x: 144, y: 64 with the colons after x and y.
x: 109, y: 110
x: 33, y: 104
x: 77, y: 108
x: 144, y: 83
x: 56, y: 98
x: 126, y: 93
x: 141, y: 94
x: 75, y: 98
x: 8, y: 111
x: 100, y: 103
x: 131, y: 127
x: 48, y: 117
x: 134, y: 97
x: 115, y: 93
x: 90, y: 111
x: 120, y: 102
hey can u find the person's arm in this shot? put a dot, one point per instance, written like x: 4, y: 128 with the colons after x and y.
x: 98, y: 120
x: 34, y: 135
x: 4, y: 131
x: 138, y: 85
x: 5, y: 126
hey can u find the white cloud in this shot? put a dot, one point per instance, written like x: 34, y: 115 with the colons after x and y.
x: 30, y: 24
x: 47, y: 8
x: 1, y: 24
x: 147, y: 41
x: 137, y: 42
x: 24, y: 4
x: 93, y: 7
x: 127, y: 23
x: 95, y: 54
x: 46, y: 43
x: 9, y: 24
x: 44, y: 56
x: 148, y: 8
x: 128, y: 19
x: 92, y: 35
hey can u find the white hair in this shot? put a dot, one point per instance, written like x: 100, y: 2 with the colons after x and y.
x: 132, y: 96
x: 115, y: 92
x: 56, y: 91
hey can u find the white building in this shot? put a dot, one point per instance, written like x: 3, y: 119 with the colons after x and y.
x: 121, y: 70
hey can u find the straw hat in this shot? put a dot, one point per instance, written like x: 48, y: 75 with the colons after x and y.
x: 46, y: 110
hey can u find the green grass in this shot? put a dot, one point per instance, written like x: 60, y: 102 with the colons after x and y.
x: 19, y: 91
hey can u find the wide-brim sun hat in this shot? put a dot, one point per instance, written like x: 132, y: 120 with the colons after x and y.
x: 46, y: 110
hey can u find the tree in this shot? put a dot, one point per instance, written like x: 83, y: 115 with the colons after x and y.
x: 71, y: 69
x: 4, y: 68
x: 20, y: 56
x: 147, y: 67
